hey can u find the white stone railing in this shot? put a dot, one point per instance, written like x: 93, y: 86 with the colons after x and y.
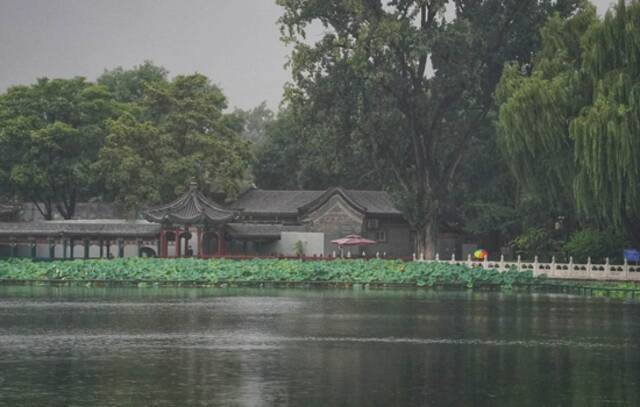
x: 570, y: 270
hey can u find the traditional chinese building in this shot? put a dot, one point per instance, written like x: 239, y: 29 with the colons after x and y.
x: 258, y: 223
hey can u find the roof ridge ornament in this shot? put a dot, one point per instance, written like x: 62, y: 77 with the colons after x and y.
x: 193, y: 184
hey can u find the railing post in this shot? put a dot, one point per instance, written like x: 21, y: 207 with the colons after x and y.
x: 535, y: 266
x: 625, y: 269
x: 519, y: 264
x: 422, y: 256
x: 469, y: 260
x: 485, y: 262
x: 607, y: 267
x: 553, y: 266
x: 502, y: 266
x: 414, y: 256
x: 453, y: 258
x: 589, y: 267
x: 437, y: 256
x: 570, y: 266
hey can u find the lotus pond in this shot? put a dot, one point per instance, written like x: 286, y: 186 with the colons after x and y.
x: 262, y: 270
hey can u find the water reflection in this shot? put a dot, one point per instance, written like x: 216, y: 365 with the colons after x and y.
x: 116, y: 346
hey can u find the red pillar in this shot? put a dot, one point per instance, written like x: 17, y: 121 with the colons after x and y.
x: 221, y: 242
x: 200, y: 253
x: 163, y: 244
x: 177, y: 243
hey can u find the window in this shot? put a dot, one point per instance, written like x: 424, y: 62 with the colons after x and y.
x: 373, y: 224
x: 381, y: 236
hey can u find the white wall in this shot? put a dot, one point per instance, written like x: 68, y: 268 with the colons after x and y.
x: 313, y: 243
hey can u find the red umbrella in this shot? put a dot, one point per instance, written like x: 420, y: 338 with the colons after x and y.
x: 353, y: 240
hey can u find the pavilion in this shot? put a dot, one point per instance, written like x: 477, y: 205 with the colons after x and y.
x: 191, y: 213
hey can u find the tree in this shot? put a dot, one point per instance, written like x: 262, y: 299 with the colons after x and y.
x: 180, y: 134
x: 570, y: 129
x: 298, y: 153
x: 367, y: 84
x: 255, y: 122
x: 50, y: 133
x: 128, y: 85
x: 279, y: 158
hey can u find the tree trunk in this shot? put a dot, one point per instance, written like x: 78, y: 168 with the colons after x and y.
x: 427, y: 239
x: 67, y: 208
x: 47, y: 212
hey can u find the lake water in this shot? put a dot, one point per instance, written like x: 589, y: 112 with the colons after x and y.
x: 254, y: 347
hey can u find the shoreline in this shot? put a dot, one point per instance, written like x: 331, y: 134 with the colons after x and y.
x: 569, y: 287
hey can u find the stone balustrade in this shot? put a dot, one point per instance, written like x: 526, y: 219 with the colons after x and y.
x: 570, y: 270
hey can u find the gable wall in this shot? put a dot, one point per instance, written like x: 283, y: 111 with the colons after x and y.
x: 336, y: 219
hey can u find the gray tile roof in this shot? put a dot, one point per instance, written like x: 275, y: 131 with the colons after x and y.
x: 376, y: 202
x: 289, y: 203
x: 192, y: 207
x: 261, y: 201
x: 87, y: 228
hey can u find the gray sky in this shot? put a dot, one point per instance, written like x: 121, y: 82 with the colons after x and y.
x: 234, y: 42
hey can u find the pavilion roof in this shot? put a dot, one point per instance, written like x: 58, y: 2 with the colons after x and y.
x: 191, y: 208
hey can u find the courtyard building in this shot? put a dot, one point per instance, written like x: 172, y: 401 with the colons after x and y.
x: 258, y: 223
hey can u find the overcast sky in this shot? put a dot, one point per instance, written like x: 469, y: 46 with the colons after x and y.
x: 234, y: 42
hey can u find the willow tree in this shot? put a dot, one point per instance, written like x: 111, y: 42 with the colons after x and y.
x: 406, y: 86
x: 571, y: 129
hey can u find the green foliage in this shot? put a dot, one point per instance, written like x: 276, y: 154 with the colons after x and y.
x: 299, y: 246
x: 134, y: 138
x: 295, y: 155
x: 181, y: 133
x: 596, y: 244
x: 280, y: 157
x: 570, y: 130
x: 255, y: 122
x: 129, y: 85
x: 535, y: 241
x: 50, y: 133
x: 490, y: 217
x: 262, y: 270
